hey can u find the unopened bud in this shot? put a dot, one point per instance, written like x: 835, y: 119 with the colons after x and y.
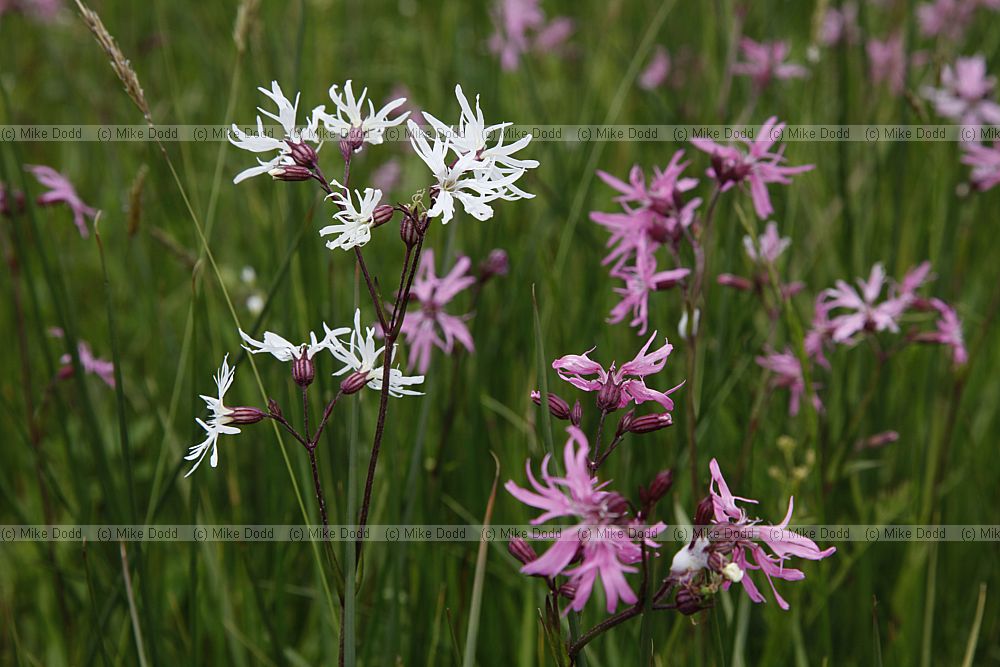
x: 496, y: 264
x: 736, y: 282
x: 687, y: 602
x: 303, y: 154
x: 65, y: 372
x: 650, y: 423
x: 576, y: 414
x: 658, y: 488
x: 383, y: 214
x: 609, y: 396
x: 354, y: 382
x: 245, y: 415
x: 568, y: 591
x: 521, y: 550
x: 290, y: 172
x: 705, y: 513
x: 615, y: 505
x: 303, y: 369
x: 273, y: 408
x: 715, y: 561
x: 558, y: 408
x: 624, y: 423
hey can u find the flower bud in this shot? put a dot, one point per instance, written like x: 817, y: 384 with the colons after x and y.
x: 650, y: 423
x: 576, y: 414
x: 736, y: 282
x: 290, y: 172
x: 715, y: 561
x: 383, y: 214
x: 273, y: 408
x: 496, y: 264
x: 354, y: 382
x: 609, y: 396
x: 687, y: 602
x: 521, y: 550
x: 558, y: 408
x: 245, y: 415
x: 303, y: 154
x: 658, y: 488
x: 615, y: 505
x: 624, y: 423
x: 352, y: 143
x: 705, y: 512
x: 303, y: 369
x: 568, y: 591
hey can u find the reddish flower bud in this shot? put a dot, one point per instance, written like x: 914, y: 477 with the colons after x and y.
x: 352, y: 143
x: 383, y: 214
x: 657, y: 489
x: 65, y: 372
x: 496, y: 264
x: 576, y: 414
x: 736, y: 282
x: 705, y: 512
x: 303, y: 154
x: 558, y: 408
x: 245, y: 415
x: 354, y: 382
x: 290, y: 172
x: 624, y: 423
x: 410, y: 230
x: 273, y: 408
x: 303, y: 370
x: 715, y: 561
x: 521, y: 550
x: 650, y: 423
x: 615, y: 505
x: 568, y: 591
x: 687, y: 602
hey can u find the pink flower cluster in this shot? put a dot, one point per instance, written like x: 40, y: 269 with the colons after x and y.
x: 765, y: 62
x: 520, y: 27
x: 61, y: 191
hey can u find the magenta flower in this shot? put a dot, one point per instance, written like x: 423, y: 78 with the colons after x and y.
x: 578, y: 494
x: 431, y: 326
x: 949, y: 332
x: 653, y: 213
x: 742, y: 537
x: 770, y: 243
x: 765, y: 62
x: 757, y: 166
x: 656, y: 72
x: 641, y: 279
x: 818, y: 336
x: 964, y: 93
x: 985, y: 163
x: 520, y: 26
x: 91, y: 364
x: 864, y: 310
x: 840, y: 25
x: 887, y: 62
x: 61, y: 191
x: 788, y: 375
x: 617, y: 388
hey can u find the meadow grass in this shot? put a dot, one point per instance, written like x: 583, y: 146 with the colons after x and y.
x: 164, y: 298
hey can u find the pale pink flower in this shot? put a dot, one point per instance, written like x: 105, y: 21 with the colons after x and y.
x: 788, y: 375
x: 657, y: 70
x: 618, y: 387
x: 583, y: 496
x: 387, y: 176
x: 964, y: 93
x: 947, y: 18
x: 765, y: 62
x: 840, y: 25
x: 41, y: 10
x: 887, y: 62
x: 520, y: 26
x: 742, y: 535
x: 818, y: 337
x: 554, y: 34
x: 864, y: 309
x: 102, y: 368
x: 61, y: 191
x: 985, y: 163
x: 771, y: 245
x: 757, y: 165
x: 430, y: 326
x: 949, y: 332
x: 641, y: 279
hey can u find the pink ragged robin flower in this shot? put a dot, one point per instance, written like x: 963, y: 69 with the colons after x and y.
x: 641, y: 279
x: 617, y: 387
x: 966, y: 92
x: 756, y: 166
x: 787, y: 372
x: 61, y: 191
x: 656, y: 71
x: 985, y: 163
x: 610, y: 555
x: 430, y: 326
x: 887, y: 62
x: 520, y: 27
x: 948, y: 332
x: 765, y: 62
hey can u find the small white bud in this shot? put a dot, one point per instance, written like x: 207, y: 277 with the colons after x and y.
x: 733, y: 573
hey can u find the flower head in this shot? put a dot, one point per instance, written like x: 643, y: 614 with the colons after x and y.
x: 361, y: 356
x: 788, y: 375
x: 220, y: 421
x: 641, y: 279
x: 965, y: 92
x: 520, y: 27
x: 765, y: 62
x: 758, y: 165
x: 861, y: 307
x: 283, y: 350
x: 351, y: 124
x: 580, y: 495
x: 657, y: 70
x: 948, y: 332
x: 769, y: 244
x: 887, y: 61
x: 985, y: 163
x: 430, y: 325
x: 355, y: 221
x: 61, y: 191
x: 292, y: 148
x: 619, y: 386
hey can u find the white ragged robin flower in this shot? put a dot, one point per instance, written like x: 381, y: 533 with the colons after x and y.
x: 284, y: 350
x: 460, y: 180
x: 361, y: 358
x: 473, y: 136
x: 223, y: 419
x: 295, y: 157
x: 356, y: 221
x: 348, y: 122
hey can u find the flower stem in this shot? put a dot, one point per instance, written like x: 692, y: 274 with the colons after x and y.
x: 596, y: 462
x: 319, y: 488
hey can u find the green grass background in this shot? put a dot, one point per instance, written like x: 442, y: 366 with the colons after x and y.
x: 904, y: 603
